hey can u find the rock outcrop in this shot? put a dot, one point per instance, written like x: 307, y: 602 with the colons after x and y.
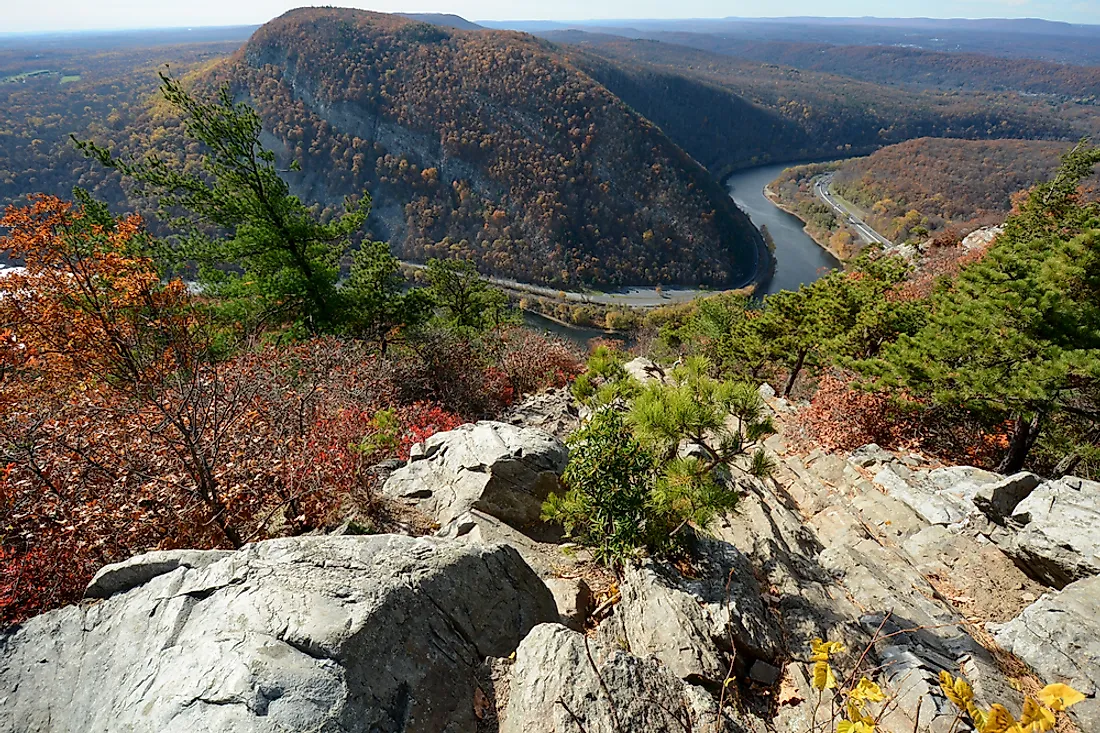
x: 697, y: 626
x: 561, y: 681
x: 1055, y: 531
x: 1051, y: 529
x: 554, y: 411
x: 503, y: 470
x: 1059, y: 637
x: 378, y: 633
x: 898, y: 559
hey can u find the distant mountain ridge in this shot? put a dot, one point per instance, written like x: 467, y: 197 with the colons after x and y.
x: 489, y: 146
x: 730, y: 112
x: 446, y: 20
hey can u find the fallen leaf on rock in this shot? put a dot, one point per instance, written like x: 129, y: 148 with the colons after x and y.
x: 481, y: 704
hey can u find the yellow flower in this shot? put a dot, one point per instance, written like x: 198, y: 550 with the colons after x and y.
x: 1058, y: 697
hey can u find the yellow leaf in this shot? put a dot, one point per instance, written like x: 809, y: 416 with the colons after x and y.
x: 947, y: 684
x: 1000, y: 720
x: 847, y: 726
x: 963, y: 690
x: 977, y: 715
x: 1058, y: 697
x: 1036, y: 717
x: 824, y: 678
x: 868, y: 691
x: 822, y: 650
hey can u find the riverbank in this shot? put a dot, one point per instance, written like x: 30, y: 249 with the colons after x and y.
x: 811, y: 233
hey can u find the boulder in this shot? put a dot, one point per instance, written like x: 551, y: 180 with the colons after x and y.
x: 644, y: 370
x: 139, y: 570
x: 561, y: 681
x: 503, y: 470
x: 980, y: 238
x: 696, y: 625
x: 1059, y: 637
x: 379, y: 633
x: 574, y: 600
x: 940, y: 496
x: 1054, y: 533
x: 870, y: 455
x: 921, y: 498
x: 999, y: 499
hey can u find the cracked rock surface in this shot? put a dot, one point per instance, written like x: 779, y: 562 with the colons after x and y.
x: 367, y: 633
x: 1059, y: 637
x: 562, y: 682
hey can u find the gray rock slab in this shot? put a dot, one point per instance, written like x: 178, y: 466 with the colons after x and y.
x: 327, y: 634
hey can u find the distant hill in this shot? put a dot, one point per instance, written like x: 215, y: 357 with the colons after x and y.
x: 950, y: 183
x: 730, y: 112
x: 447, y: 20
x: 908, y: 66
x: 1022, y: 38
x: 490, y: 146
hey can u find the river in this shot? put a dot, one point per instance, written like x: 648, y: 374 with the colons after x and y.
x: 799, y: 259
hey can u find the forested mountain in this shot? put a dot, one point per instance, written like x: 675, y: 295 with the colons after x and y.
x: 49, y: 91
x: 949, y: 183
x: 490, y: 146
x: 730, y: 112
x: 478, y: 144
x: 570, y: 162
x: 910, y: 66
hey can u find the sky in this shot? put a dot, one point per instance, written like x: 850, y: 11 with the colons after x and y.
x: 63, y: 15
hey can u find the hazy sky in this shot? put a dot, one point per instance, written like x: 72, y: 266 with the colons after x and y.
x: 24, y: 15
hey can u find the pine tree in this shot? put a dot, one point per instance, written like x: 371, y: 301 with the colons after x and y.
x: 1017, y: 335
x: 259, y: 249
x: 466, y: 303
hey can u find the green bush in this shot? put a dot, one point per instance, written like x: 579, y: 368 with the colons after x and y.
x: 609, y: 505
x: 654, y: 459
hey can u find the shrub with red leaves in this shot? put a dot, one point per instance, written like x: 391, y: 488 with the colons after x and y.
x: 533, y: 362
x: 842, y: 417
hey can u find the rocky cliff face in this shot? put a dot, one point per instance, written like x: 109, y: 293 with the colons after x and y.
x: 496, y: 626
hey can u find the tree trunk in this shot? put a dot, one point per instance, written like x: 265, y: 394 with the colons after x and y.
x: 1024, y: 434
x: 794, y: 372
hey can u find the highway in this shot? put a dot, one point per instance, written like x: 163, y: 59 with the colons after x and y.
x: 869, y: 235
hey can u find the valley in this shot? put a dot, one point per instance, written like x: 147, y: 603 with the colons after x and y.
x: 412, y: 373
x: 517, y: 213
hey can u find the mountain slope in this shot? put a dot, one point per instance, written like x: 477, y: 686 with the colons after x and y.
x: 730, y: 112
x: 491, y: 146
x: 950, y: 183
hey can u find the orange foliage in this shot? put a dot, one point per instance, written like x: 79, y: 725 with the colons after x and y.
x: 841, y: 417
